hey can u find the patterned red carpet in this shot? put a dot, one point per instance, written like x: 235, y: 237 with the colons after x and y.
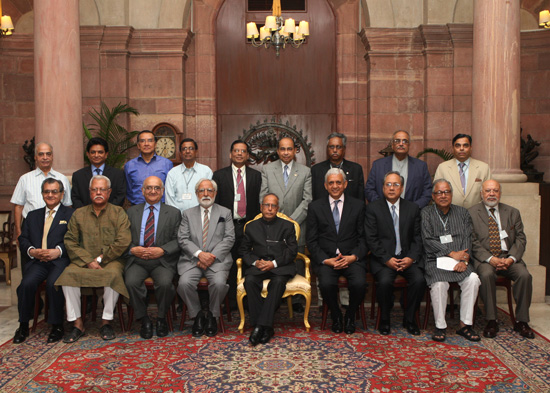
x: 294, y: 361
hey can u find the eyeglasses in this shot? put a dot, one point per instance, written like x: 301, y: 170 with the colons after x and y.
x: 270, y: 205
x: 151, y: 188
x: 206, y: 190
x: 335, y: 147
x: 399, y: 141
x: 392, y: 184
x: 240, y: 151
x: 187, y: 148
x: 100, y: 190
x: 53, y: 192
x: 146, y: 140
x: 439, y: 193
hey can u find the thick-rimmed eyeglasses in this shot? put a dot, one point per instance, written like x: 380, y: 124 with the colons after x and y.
x: 53, y: 192
x: 151, y: 188
x: 439, y: 193
x: 400, y: 141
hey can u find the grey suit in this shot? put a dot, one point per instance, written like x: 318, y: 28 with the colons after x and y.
x: 161, y: 270
x: 295, y: 197
x: 510, y: 221
x: 220, y: 239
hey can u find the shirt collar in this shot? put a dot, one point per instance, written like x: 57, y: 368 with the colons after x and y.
x: 101, y: 168
x: 331, y: 199
x: 289, y: 166
x: 156, y: 206
x: 488, y: 207
x: 154, y: 158
x: 466, y: 163
x: 396, y: 204
x: 56, y: 208
x: 235, y: 169
x: 38, y: 172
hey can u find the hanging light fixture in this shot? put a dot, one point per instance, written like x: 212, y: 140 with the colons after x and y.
x: 6, y: 25
x: 277, y: 32
x: 544, y: 19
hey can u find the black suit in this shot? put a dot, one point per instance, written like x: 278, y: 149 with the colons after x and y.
x: 323, y: 240
x: 381, y: 240
x: 226, y: 198
x: 268, y: 240
x: 80, y: 193
x: 354, y: 175
x: 35, y: 272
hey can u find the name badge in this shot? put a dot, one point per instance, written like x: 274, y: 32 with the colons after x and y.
x: 503, y: 234
x: 186, y: 197
x: 237, y: 197
x: 446, y: 239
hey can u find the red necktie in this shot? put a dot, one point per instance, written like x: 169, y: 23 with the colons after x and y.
x: 241, y: 203
x: 149, y: 236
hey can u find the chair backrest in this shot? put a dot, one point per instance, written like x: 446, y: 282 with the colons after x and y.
x: 284, y: 217
x: 5, y: 227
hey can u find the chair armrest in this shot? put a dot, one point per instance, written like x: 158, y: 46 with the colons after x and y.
x: 239, y: 270
x: 307, y: 262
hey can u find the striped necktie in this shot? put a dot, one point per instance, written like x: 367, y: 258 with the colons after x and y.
x: 205, y: 229
x: 149, y: 236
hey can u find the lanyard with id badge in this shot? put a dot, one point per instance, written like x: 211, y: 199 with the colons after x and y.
x: 445, y: 238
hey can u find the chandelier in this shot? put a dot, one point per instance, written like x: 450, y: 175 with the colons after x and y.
x: 544, y: 19
x: 276, y: 32
x: 6, y: 25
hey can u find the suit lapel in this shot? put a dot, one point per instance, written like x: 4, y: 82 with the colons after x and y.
x: 472, y: 176
x: 455, y: 176
x: 214, y: 217
x: 292, y: 176
x: 328, y: 214
x: 161, y: 223
x: 278, y: 172
x: 135, y: 222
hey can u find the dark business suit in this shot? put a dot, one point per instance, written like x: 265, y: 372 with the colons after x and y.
x: 268, y: 240
x: 80, y: 193
x: 226, y: 198
x: 419, y: 181
x: 323, y: 240
x: 510, y: 221
x: 161, y: 270
x: 381, y: 240
x: 354, y: 176
x: 35, y: 272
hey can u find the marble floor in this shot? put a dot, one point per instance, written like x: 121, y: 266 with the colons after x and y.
x: 540, y: 316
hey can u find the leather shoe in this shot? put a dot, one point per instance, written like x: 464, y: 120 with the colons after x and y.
x: 491, y: 329
x: 412, y: 328
x: 21, y: 334
x: 523, y: 329
x: 337, y: 325
x: 162, y: 327
x: 384, y: 328
x: 349, y: 325
x: 146, y: 331
x: 255, y: 336
x: 211, y: 326
x: 56, y: 334
x: 268, y: 332
x: 198, y: 325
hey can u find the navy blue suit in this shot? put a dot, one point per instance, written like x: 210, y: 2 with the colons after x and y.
x: 35, y: 272
x: 419, y: 181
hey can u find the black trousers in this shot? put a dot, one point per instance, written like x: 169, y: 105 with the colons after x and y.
x: 356, y: 275
x: 262, y: 310
x: 416, y: 286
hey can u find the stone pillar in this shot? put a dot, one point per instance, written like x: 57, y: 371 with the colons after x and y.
x: 57, y: 81
x: 496, y: 88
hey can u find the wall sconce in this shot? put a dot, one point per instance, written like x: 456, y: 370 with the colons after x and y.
x: 6, y: 25
x: 544, y: 19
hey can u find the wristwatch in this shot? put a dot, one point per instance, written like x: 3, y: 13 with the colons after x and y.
x: 465, y: 262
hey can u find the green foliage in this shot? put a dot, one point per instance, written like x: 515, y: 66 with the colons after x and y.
x: 444, y: 154
x: 106, y: 127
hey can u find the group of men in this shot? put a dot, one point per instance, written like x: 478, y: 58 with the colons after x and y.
x: 200, y: 232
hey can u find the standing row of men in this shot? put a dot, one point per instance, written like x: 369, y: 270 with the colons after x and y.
x: 293, y: 184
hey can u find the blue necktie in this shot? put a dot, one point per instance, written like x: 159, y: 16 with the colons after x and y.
x: 285, y: 175
x: 98, y: 171
x: 395, y: 218
x: 336, y: 215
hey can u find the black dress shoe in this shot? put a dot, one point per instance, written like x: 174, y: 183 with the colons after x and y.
x: 491, y: 329
x: 211, y: 326
x: 268, y: 332
x: 523, y: 329
x: 384, y: 328
x: 198, y: 325
x: 255, y: 336
x: 162, y: 327
x: 56, y: 334
x: 337, y: 325
x: 21, y: 334
x: 146, y: 331
x: 349, y: 325
x: 412, y: 328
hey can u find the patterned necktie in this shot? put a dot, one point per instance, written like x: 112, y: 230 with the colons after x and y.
x: 98, y: 171
x: 149, y: 236
x: 285, y: 175
x: 241, y: 203
x: 462, y: 177
x: 47, y: 226
x: 205, y: 229
x: 395, y: 218
x: 336, y: 215
x: 494, y: 235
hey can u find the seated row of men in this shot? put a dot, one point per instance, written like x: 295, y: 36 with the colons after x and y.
x: 294, y: 183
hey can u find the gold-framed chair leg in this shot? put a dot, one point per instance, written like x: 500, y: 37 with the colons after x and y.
x: 240, y: 297
x: 306, y: 311
x: 289, y: 305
